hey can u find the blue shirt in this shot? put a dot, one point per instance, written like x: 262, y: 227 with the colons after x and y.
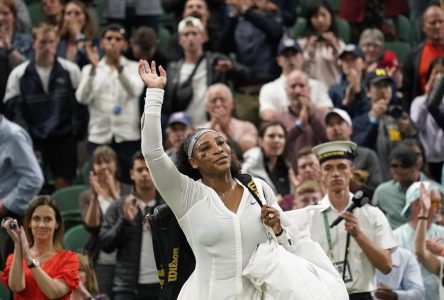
x: 20, y: 175
x: 405, y: 278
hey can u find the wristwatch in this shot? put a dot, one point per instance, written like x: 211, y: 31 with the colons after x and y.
x: 34, y: 263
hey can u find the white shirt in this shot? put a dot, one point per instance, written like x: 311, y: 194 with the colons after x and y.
x: 371, y: 221
x: 148, y: 268
x: 106, y: 90
x: 273, y: 95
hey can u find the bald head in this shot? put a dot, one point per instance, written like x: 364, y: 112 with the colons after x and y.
x: 219, y: 100
x: 297, y: 85
x: 433, y: 25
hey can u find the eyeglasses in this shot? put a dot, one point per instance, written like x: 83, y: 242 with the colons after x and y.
x: 436, y: 203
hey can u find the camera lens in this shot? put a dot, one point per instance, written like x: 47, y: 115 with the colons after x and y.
x: 13, y: 225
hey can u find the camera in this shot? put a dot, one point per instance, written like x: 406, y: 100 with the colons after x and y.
x: 395, y: 111
x: 13, y: 225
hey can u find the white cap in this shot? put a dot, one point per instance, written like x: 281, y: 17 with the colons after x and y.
x: 195, y: 22
x: 335, y: 150
x: 341, y: 113
x: 413, y: 194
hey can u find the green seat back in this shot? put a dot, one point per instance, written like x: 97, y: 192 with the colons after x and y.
x: 76, y: 238
x: 402, y: 49
x: 344, y: 30
x: 36, y: 13
x: 67, y: 199
x: 164, y: 37
x: 404, y: 29
x: 4, y: 292
x: 299, y: 27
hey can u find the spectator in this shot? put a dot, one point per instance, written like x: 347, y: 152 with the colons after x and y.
x: 220, y: 106
x: 111, y: 89
x: 349, y: 94
x: 419, y: 60
x: 307, y: 169
x: 75, y: 31
x: 94, y: 202
x: 20, y: 178
x: 422, y: 219
x: 190, y: 76
x: 134, y: 13
x: 303, y: 121
x: 178, y: 128
x: 268, y: 161
x: 383, y: 127
x: 39, y: 267
x: 391, y: 195
x: 321, y: 43
x: 88, y: 285
x: 307, y: 193
x: 144, y: 45
x: 430, y: 133
x: 121, y: 231
x: 52, y: 11
x: 366, y: 172
x: 404, y: 281
x: 273, y: 98
x: 23, y: 22
x: 40, y: 96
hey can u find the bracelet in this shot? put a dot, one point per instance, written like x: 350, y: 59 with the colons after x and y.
x: 282, y: 231
x: 422, y: 218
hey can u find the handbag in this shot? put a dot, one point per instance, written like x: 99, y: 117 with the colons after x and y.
x: 277, y: 273
x: 183, y: 92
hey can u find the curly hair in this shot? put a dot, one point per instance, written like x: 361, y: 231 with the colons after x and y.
x: 184, y: 166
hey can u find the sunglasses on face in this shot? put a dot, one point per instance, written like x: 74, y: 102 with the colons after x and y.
x: 436, y: 203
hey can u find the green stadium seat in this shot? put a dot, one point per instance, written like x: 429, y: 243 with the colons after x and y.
x: 100, y: 8
x: 344, y: 30
x: 299, y: 27
x: 67, y: 200
x: 35, y: 12
x: 163, y: 37
x: 404, y: 29
x: 76, y: 238
x: 335, y: 4
x: 4, y: 292
x: 402, y: 49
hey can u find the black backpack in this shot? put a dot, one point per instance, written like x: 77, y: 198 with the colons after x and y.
x: 175, y: 260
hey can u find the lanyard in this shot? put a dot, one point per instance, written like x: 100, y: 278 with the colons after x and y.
x: 327, y: 232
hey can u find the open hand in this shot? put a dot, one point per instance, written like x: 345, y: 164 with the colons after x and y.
x: 149, y: 75
x: 424, y: 199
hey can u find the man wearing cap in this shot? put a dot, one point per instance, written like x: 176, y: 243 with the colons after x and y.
x: 367, y: 173
x: 273, y: 98
x: 390, y: 196
x: 405, y: 235
x: 220, y: 106
x: 370, y: 237
x: 349, y: 94
x: 179, y: 126
x: 382, y: 128
x: 190, y: 76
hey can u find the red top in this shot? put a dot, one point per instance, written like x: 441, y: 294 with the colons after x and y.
x: 429, y: 53
x: 63, y: 265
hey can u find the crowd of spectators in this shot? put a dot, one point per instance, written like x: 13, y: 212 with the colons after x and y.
x: 71, y: 100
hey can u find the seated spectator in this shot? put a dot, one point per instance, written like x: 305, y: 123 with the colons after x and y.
x: 321, y: 43
x: 273, y: 96
x: 421, y: 218
x: 307, y: 168
x: 429, y: 132
x: 404, y: 281
x: 390, y: 196
x: 383, y: 127
x: 190, y: 76
x: 303, y: 122
x: 307, y: 193
x: 94, y: 202
x: 367, y: 173
x: 41, y: 97
x: 39, y: 267
x: 52, y: 11
x: 144, y: 45
x: 178, y: 128
x: 122, y: 232
x: 88, y: 281
x: 220, y: 106
x: 350, y: 94
x: 268, y: 161
x: 20, y: 178
x: 134, y: 13
x: 419, y: 60
x: 111, y: 89
x: 75, y: 31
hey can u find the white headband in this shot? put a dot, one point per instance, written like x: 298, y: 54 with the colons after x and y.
x: 195, y: 137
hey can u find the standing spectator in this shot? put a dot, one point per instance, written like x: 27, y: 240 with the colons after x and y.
x: 273, y: 97
x: 304, y: 122
x: 178, y: 128
x: 321, y: 43
x: 111, y: 89
x: 52, y: 11
x: 404, y: 281
x: 39, y: 267
x: 418, y: 62
x: 40, y: 95
x: 20, y: 177
x: 94, y: 202
x: 349, y: 94
x: 367, y: 173
x: 75, y: 30
x: 190, y: 76
x: 134, y: 13
x: 122, y: 231
x: 220, y: 106
x: 144, y: 45
x: 418, y: 216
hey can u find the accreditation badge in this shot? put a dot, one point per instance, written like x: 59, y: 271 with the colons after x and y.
x: 347, y: 277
